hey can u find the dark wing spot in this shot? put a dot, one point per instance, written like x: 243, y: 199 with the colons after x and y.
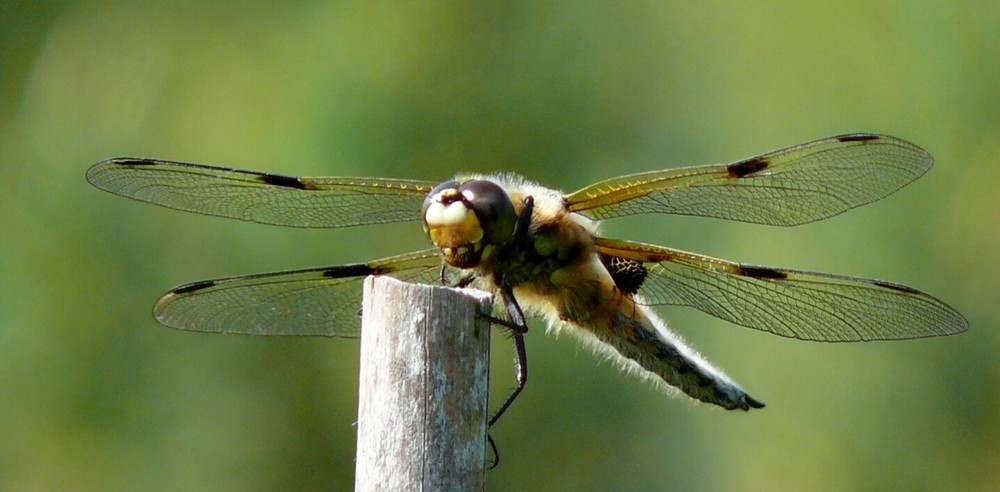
x: 356, y: 270
x: 627, y: 274
x: 285, y: 181
x: 134, y: 161
x: 761, y: 272
x: 901, y: 288
x: 858, y: 137
x: 749, y: 166
x: 193, y: 286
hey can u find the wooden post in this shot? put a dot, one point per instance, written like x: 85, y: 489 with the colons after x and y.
x: 423, y: 396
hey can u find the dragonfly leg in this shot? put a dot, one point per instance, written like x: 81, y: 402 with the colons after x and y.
x: 463, y: 282
x: 521, y: 369
x: 523, y: 221
x: 516, y: 323
x: 521, y: 363
x: 519, y: 328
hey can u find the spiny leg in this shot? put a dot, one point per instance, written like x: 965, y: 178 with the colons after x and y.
x: 517, y: 322
x: 518, y: 327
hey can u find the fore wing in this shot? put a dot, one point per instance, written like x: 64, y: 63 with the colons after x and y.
x: 315, y: 301
x: 787, y: 187
x: 789, y: 303
x: 320, y: 202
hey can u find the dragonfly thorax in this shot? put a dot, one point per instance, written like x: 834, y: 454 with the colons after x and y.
x: 468, y: 220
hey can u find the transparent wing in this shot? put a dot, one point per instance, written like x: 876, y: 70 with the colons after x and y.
x: 789, y: 303
x: 259, y: 197
x: 316, y: 301
x: 792, y: 186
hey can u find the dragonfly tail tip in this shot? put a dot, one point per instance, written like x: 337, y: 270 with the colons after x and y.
x: 751, y: 402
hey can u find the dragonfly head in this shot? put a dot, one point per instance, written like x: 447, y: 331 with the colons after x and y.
x: 468, y: 219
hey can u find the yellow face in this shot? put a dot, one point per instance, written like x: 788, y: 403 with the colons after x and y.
x: 466, y: 220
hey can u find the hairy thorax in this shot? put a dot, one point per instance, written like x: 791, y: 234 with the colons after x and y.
x: 557, y: 267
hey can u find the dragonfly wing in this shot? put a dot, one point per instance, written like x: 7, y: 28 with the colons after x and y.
x: 792, y: 186
x: 316, y: 301
x: 320, y: 202
x: 789, y: 303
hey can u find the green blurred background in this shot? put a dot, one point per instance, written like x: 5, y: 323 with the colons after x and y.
x: 95, y: 395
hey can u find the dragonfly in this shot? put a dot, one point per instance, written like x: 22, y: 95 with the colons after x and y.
x: 541, y: 254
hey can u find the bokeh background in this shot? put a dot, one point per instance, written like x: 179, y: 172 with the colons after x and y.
x: 95, y: 395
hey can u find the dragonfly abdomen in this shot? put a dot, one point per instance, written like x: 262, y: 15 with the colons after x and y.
x: 638, y: 335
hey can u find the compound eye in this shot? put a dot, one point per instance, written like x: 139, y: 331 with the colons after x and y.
x: 446, y: 192
x: 492, y: 205
x: 453, y: 185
